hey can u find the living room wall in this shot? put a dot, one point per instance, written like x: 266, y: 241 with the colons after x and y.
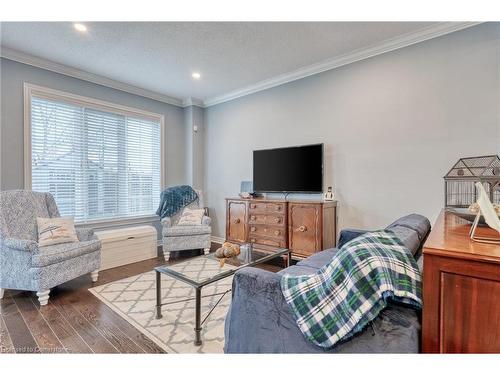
x: 392, y: 126
x: 14, y: 74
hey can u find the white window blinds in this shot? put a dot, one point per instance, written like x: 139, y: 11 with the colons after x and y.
x: 97, y: 164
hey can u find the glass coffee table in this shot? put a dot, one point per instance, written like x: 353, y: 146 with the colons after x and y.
x: 248, y: 257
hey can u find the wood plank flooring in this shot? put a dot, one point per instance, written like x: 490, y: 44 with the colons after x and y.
x: 75, y: 321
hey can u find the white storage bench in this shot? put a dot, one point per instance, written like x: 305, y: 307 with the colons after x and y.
x: 127, y: 245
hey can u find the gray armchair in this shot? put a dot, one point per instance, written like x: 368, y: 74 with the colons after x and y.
x: 26, y: 266
x: 184, y: 237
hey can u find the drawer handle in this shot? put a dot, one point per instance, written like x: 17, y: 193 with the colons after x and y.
x: 252, y: 217
x: 279, y: 208
x: 237, y: 221
x: 277, y: 232
x: 131, y: 238
x: 253, y: 229
x: 302, y: 228
x: 278, y: 220
x: 252, y: 240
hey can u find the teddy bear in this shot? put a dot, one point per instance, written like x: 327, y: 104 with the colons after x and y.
x: 228, y: 250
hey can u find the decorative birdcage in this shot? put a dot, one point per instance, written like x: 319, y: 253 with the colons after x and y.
x: 459, y: 189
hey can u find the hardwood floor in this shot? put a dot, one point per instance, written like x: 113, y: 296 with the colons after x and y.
x: 74, y: 321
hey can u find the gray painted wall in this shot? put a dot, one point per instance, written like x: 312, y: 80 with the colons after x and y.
x: 392, y: 126
x: 193, y: 116
x: 14, y: 74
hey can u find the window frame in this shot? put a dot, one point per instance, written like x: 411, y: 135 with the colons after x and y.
x: 31, y: 90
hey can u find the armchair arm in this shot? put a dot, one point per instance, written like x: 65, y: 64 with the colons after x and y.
x: 206, y: 221
x: 20, y: 245
x: 166, y: 222
x: 347, y: 235
x: 85, y: 234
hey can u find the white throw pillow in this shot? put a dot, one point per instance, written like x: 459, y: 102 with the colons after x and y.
x: 191, y: 217
x: 55, y: 230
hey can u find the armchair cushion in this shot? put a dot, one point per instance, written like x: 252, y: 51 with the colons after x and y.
x: 55, y: 230
x: 191, y: 216
x: 186, y: 230
x: 48, y: 255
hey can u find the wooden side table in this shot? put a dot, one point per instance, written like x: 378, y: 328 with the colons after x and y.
x: 461, y: 290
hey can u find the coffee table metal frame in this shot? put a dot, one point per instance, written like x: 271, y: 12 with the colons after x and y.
x: 199, y: 285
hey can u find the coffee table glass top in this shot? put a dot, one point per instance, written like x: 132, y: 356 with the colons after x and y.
x: 205, y: 269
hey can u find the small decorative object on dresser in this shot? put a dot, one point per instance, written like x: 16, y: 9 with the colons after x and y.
x: 459, y: 182
x: 329, y: 195
x: 486, y: 210
x: 305, y: 227
x: 460, y: 288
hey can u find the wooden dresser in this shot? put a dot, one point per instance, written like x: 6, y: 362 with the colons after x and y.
x: 305, y: 227
x: 461, y: 290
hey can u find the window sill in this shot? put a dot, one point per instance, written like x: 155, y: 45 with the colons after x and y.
x: 126, y: 221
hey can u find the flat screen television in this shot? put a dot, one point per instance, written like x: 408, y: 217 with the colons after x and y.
x: 291, y: 169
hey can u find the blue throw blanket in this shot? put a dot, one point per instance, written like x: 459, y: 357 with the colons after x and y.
x: 343, y: 296
x: 174, y: 198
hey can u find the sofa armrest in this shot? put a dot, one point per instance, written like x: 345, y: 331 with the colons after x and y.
x: 20, y: 245
x: 85, y: 234
x: 206, y: 221
x: 347, y: 235
x: 258, y: 314
x: 166, y: 222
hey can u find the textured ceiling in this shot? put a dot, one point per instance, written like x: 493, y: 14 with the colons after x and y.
x: 160, y: 56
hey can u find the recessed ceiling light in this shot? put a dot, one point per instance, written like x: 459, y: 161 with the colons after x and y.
x: 196, y: 75
x: 80, y: 27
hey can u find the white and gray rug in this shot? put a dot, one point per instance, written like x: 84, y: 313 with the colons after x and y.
x: 134, y: 300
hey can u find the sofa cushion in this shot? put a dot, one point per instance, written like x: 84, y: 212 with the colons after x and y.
x: 48, y: 255
x: 186, y: 230
x: 409, y: 237
x: 298, y: 270
x: 319, y: 259
x: 420, y: 224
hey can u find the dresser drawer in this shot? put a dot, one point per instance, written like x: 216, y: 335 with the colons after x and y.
x: 268, y: 219
x: 268, y: 207
x: 278, y: 233
x: 257, y: 240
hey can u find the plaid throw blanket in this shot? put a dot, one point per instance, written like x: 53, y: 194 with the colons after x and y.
x: 349, y: 292
x: 174, y: 198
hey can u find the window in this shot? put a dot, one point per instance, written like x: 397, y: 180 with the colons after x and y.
x: 98, y: 160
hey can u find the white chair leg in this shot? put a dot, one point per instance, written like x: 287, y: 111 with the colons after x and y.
x: 207, y: 251
x: 94, y: 276
x: 43, y: 297
x: 167, y: 256
x: 1, y: 292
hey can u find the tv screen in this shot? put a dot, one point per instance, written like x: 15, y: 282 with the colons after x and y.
x: 290, y: 169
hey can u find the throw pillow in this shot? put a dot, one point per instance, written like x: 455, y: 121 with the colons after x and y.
x: 191, y: 217
x: 55, y: 230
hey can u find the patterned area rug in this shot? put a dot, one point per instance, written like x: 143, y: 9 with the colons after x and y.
x: 134, y: 300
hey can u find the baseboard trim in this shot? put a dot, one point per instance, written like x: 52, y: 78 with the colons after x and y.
x: 216, y: 239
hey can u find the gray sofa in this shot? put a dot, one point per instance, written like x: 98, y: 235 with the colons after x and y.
x: 260, y: 321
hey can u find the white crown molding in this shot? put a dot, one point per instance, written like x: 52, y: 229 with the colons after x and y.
x: 422, y: 35
x: 192, y: 101
x: 389, y: 45
x: 28, y: 59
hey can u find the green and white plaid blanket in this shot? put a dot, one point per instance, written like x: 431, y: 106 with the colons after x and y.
x: 345, y: 295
